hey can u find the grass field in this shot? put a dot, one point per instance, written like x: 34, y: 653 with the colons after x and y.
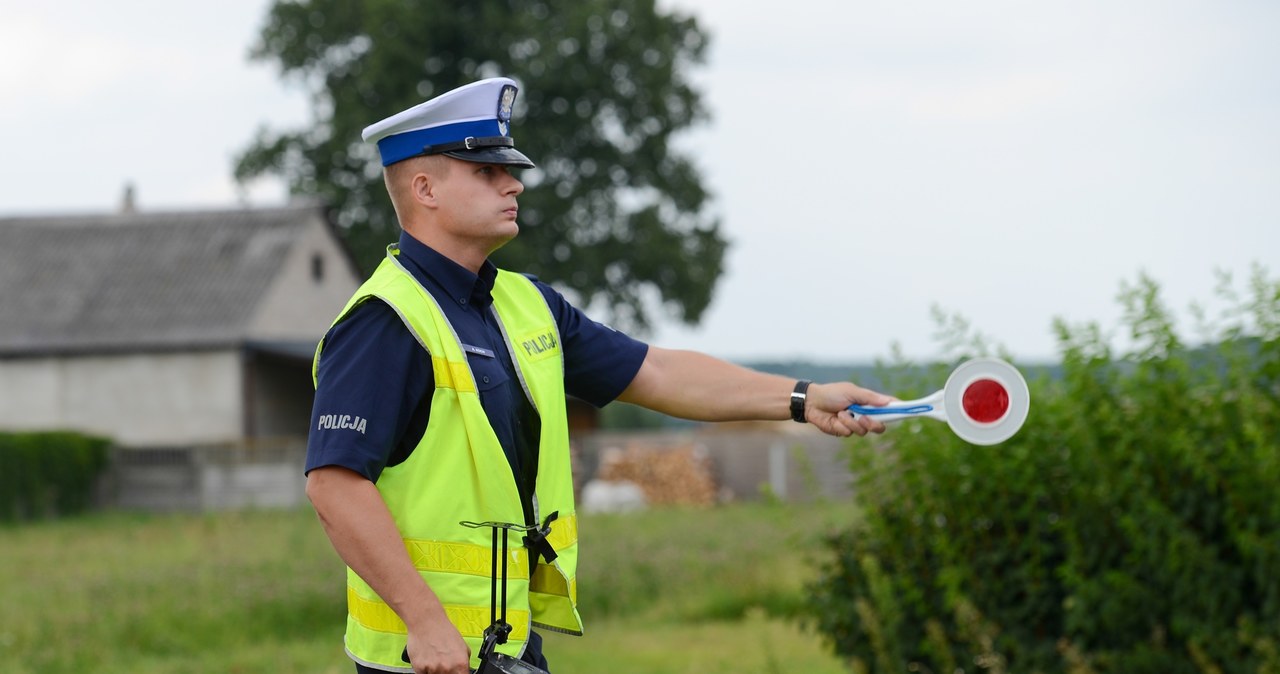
x: 663, y: 592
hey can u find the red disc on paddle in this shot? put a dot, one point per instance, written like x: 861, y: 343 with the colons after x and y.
x: 985, y: 401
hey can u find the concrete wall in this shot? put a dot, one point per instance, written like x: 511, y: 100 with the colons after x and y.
x: 229, y: 482
x: 206, y: 478
x: 137, y: 400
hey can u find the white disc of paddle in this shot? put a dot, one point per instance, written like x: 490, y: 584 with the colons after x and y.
x: 986, y: 401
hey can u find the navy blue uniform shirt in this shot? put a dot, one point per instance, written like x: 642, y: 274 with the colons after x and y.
x: 375, y: 380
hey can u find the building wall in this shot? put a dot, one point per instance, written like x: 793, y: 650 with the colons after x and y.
x: 136, y: 399
x: 315, y: 281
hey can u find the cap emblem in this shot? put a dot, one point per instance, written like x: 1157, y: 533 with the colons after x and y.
x: 505, y: 101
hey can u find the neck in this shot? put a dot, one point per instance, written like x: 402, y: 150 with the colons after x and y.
x: 469, y: 253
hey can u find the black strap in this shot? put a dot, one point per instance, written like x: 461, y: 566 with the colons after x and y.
x: 470, y: 143
x: 798, y: 398
x: 536, y: 540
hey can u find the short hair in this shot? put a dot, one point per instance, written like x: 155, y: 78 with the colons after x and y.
x: 398, y: 175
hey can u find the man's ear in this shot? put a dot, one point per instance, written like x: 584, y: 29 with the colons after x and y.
x: 422, y: 187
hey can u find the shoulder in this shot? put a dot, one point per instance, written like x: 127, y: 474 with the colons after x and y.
x: 572, y: 321
x: 370, y: 329
x: 556, y: 301
x: 370, y: 314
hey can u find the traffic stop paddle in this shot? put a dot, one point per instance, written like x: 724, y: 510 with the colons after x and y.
x: 985, y: 401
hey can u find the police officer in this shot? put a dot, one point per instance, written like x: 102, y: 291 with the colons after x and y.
x: 440, y: 398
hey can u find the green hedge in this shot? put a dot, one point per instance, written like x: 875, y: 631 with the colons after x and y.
x: 48, y: 474
x: 1132, y: 526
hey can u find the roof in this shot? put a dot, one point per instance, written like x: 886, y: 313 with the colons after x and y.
x: 132, y: 281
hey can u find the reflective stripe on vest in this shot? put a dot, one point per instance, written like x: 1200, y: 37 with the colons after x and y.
x: 470, y: 621
x: 459, y: 472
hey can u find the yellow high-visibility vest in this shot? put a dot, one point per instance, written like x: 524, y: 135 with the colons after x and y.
x: 458, y: 472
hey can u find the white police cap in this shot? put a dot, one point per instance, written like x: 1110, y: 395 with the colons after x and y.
x: 471, y: 123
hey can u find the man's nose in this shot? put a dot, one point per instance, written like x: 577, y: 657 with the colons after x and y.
x: 516, y: 187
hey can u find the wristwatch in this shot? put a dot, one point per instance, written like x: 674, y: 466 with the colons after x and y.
x: 798, y: 397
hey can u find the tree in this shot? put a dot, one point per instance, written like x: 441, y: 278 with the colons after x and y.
x: 613, y: 213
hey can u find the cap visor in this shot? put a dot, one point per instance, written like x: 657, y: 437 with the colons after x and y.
x: 507, y: 156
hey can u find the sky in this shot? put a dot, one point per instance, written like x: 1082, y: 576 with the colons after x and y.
x: 1011, y: 163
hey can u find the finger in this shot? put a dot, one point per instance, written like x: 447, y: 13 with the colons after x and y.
x: 870, y: 425
x: 873, y: 398
x: 859, y: 425
x: 849, y: 423
x: 846, y: 424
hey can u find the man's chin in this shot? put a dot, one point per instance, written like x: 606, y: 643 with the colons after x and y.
x: 505, y: 236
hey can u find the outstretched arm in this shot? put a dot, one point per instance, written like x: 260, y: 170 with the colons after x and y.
x: 693, y: 385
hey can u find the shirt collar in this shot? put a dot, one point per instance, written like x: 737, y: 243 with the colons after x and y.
x: 462, y: 286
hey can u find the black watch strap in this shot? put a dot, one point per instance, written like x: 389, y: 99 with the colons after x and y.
x: 798, y: 397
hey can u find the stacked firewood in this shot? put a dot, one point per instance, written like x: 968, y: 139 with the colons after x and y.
x: 680, y: 475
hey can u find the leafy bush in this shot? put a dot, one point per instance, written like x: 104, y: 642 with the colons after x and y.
x: 48, y: 474
x: 1133, y: 525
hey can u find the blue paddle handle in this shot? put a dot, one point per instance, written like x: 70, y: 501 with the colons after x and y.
x: 873, y: 411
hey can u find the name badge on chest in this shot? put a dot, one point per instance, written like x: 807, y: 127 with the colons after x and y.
x: 478, y: 351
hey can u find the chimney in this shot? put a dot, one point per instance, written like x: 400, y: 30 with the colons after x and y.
x: 128, y: 205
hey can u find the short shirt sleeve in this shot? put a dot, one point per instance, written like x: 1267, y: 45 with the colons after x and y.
x: 372, y: 377
x: 599, y: 362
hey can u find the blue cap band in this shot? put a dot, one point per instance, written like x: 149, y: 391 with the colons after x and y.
x: 410, y: 144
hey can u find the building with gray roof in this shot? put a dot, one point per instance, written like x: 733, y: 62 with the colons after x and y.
x: 172, y: 329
